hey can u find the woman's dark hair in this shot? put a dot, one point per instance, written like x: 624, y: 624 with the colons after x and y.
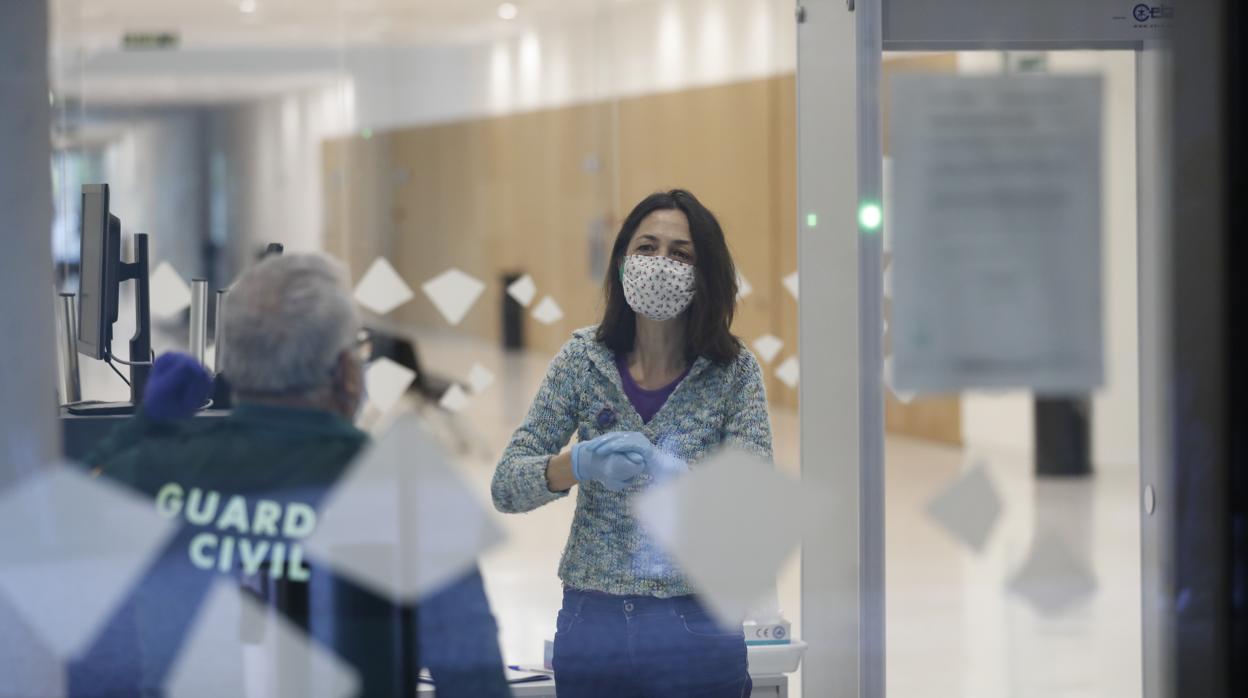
x: 707, y: 331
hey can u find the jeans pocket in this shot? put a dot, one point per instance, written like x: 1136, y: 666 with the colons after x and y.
x: 704, y: 626
x: 565, y: 621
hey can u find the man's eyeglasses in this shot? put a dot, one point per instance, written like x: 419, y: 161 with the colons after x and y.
x: 362, y: 348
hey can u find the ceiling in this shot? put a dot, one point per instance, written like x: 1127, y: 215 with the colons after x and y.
x: 89, y: 61
x: 100, y: 24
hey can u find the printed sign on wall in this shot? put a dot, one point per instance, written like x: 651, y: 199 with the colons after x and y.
x: 996, y: 233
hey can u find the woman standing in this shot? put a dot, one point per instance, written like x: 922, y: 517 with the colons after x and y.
x: 656, y: 386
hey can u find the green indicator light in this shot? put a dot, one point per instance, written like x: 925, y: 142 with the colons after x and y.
x: 811, y: 220
x: 870, y: 217
x: 367, y: 133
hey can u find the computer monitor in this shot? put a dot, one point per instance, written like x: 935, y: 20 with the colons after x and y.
x: 100, y: 272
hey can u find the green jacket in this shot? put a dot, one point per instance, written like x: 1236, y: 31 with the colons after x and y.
x: 269, y: 468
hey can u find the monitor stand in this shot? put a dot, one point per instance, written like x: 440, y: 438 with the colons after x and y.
x: 140, y: 343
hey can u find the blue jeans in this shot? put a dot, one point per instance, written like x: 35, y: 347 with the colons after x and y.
x: 610, y: 646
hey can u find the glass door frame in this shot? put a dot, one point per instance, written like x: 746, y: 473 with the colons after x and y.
x: 840, y: 50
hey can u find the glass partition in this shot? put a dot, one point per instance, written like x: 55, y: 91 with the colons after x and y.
x: 504, y: 320
x: 470, y: 166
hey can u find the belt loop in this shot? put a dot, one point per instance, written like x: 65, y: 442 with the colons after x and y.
x: 580, y: 602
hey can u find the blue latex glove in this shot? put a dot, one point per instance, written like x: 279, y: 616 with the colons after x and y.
x: 177, y: 387
x: 614, y: 459
x: 662, y: 466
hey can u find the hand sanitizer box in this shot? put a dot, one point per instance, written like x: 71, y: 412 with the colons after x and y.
x: 767, y: 633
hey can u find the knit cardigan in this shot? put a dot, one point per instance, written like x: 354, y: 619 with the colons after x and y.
x: 715, y: 406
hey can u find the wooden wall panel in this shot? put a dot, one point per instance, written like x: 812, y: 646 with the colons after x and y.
x: 777, y: 303
x: 718, y: 143
x: 358, y: 200
x: 489, y: 197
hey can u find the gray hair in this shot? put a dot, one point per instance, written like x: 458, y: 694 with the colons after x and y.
x: 287, y: 320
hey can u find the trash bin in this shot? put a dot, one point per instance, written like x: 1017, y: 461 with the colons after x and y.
x: 513, y: 316
x: 1063, y: 443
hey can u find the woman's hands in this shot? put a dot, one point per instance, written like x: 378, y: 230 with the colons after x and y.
x: 615, y: 459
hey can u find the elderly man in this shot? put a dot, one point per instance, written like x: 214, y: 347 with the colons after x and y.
x: 292, y: 359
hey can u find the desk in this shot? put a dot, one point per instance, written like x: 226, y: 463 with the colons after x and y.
x: 764, y: 687
x: 80, y: 434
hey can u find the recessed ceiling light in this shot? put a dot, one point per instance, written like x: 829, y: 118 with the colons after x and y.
x: 508, y: 10
x: 247, y: 6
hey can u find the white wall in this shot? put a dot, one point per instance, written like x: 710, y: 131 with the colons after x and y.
x: 618, y: 50
x: 155, y: 174
x: 269, y: 157
x: 998, y: 423
x: 1002, y: 423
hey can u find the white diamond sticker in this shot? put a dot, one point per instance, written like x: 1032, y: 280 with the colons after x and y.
x: 969, y: 508
x: 28, y: 667
x: 790, y: 282
x: 767, y: 347
x: 789, y: 372
x: 523, y: 290
x: 386, y: 381
x: 697, y: 519
x: 168, y: 292
x: 548, y: 311
x: 239, y: 647
x: 386, y: 524
x: 905, y: 396
x: 1052, y: 579
x: 479, y: 379
x: 454, y: 399
x: 744, y: 289
x: 65, y: 528
x: 381, y: 289
x: 453, y: 293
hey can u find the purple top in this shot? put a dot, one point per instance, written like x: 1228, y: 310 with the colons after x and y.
x: 646, y: 402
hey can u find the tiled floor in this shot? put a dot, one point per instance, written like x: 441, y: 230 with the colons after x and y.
x: 953, y: 629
